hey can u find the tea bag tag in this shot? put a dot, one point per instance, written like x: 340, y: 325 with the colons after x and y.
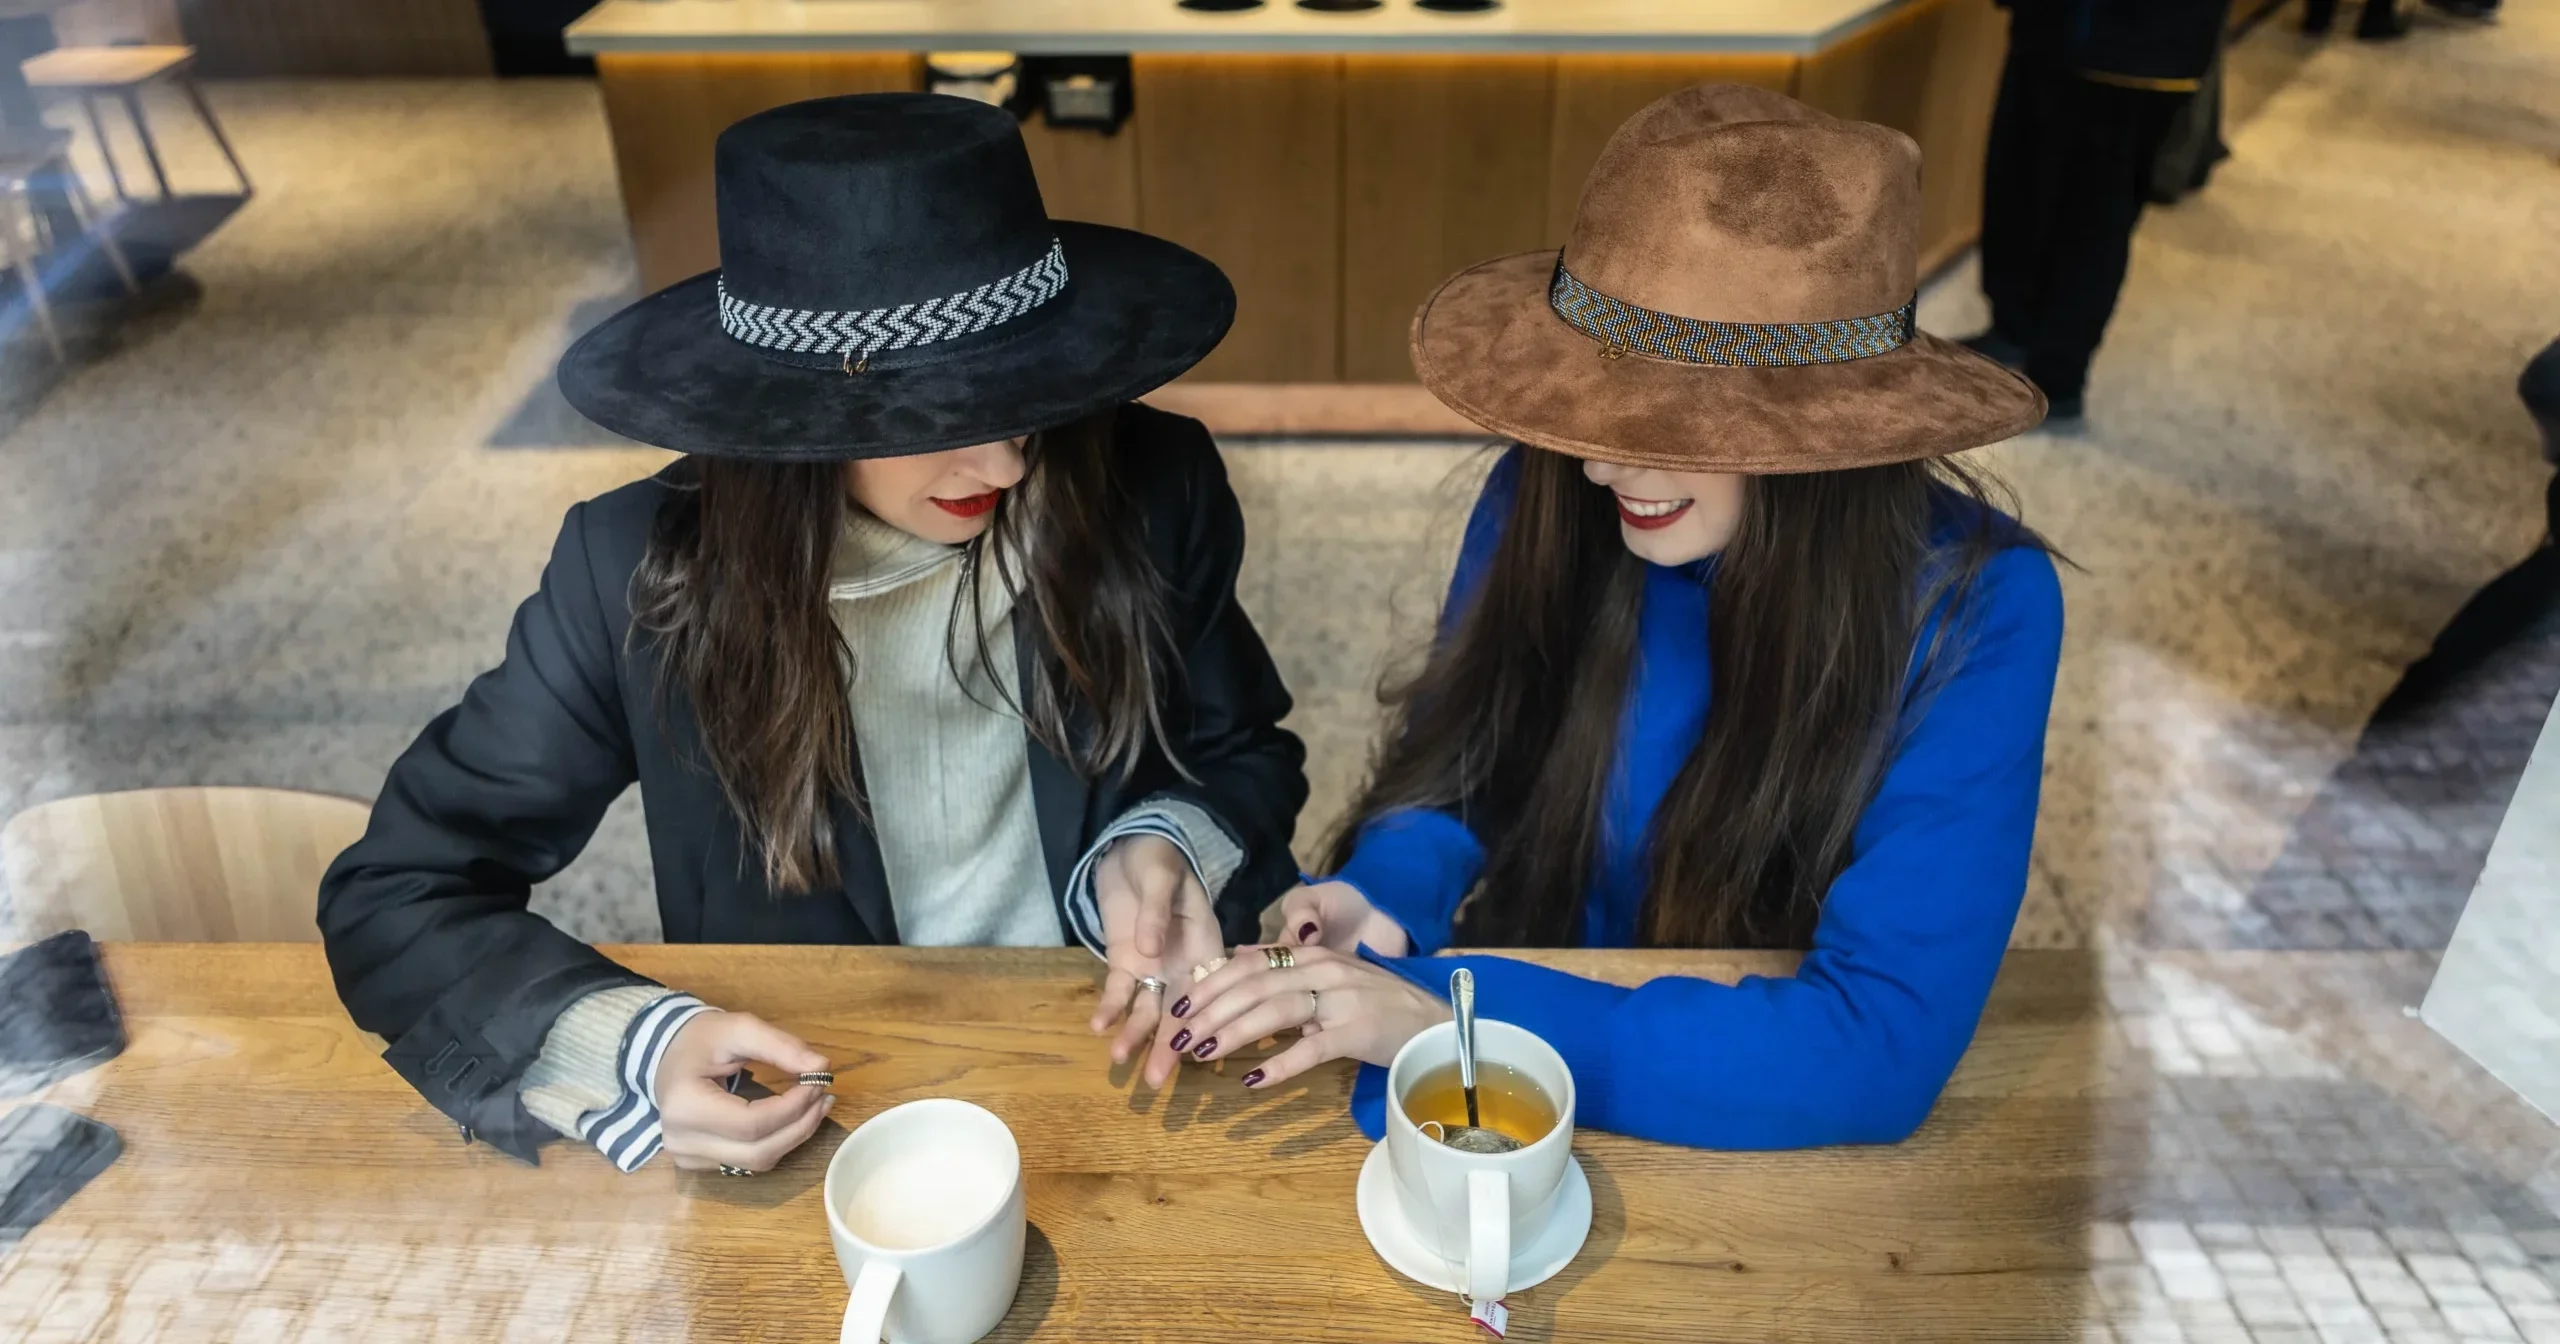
x: 1491, y: 1317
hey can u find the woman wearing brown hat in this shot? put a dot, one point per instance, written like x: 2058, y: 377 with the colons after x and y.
x: 930, y: 638
x: 1734, y: 657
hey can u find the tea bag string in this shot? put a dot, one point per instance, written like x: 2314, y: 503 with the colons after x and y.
x: 1456, y: 1270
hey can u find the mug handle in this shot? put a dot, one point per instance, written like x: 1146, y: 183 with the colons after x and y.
x: 1488, y: 1235
x: 866, y: 1313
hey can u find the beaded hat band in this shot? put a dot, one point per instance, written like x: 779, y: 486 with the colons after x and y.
x: 1620, y: 327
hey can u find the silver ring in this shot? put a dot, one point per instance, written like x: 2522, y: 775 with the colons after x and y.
x: 1279, y: 958
x: 1150, y: 984
x: 1315, y: 1006
x: 727, y: 1170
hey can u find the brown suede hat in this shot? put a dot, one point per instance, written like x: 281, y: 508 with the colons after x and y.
x: 1735, y: 296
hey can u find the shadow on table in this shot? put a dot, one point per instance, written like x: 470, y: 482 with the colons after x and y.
x: 1986, y: 1220
x: 801, y: 1171
x: 1301, y: 1116
x: 1976, y: 1228
x: 1533, y: 1312
x: 1039, y: 1291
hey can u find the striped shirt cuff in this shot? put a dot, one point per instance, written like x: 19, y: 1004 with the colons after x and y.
x: 626, y: 1132
x: 1205, y: 845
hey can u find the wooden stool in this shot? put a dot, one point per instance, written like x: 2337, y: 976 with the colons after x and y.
x: 121, y: 73
x: 177, y: 865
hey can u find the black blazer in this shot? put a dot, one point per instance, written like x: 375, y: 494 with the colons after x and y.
x: 424, y: 919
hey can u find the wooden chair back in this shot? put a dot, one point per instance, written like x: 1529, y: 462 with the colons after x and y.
x: 176, y: 865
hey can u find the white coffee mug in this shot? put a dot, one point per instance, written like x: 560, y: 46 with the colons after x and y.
x: 1472, y: 1208
x: 924, y: 1202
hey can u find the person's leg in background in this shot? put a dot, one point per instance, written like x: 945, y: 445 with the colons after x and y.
x: 2114, y: 136
x: 2379, y: 21
x: 2514, y: 602
x: 2019, y: 175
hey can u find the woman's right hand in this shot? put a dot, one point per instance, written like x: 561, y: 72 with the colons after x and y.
x: 1335, y: 915
x: 703, y: 1125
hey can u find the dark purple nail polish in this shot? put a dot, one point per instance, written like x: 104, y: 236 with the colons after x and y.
x: 1181, y: 1038
x: 1182, y: 1006
x: 1205, y: 1048
x: 1253, y: 1079
x: 1306, y: 931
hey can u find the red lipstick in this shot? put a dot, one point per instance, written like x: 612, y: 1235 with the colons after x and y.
x: 1644, y: 523
x: 969, y: 506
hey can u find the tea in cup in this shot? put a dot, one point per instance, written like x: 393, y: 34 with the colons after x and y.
x: 1507, y: 1102
x: 1469, y: 1209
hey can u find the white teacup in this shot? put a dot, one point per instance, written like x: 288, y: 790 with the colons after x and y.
x: 924, y: 1202
x: 1471, y: 1209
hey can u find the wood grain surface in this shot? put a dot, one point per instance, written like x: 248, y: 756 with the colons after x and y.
x: 279, y: 1183
x: 107, y: 69
x: 1444, y: 165
x: 1085, y: 174
x: 184, y: 864
x: 255, y: 38
x: 1240, y: 160
x: 1148, y: 27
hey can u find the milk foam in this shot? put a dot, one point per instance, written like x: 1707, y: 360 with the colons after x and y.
x: 913, y: 1200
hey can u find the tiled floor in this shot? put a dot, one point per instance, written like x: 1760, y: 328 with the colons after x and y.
x: 2389, y: 848
x: 264, y: 531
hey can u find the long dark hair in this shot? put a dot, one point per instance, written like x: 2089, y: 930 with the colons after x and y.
x: 1814, y: 609
x: 733, y: 590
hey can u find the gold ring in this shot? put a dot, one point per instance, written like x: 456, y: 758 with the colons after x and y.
x: 727, y: 1170
x: 1279, y: 958
x: 1206, y: 969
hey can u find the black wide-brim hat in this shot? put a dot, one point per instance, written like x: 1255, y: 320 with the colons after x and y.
x: 890, y: 284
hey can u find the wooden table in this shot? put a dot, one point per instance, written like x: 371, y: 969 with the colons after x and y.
x: 280, y: 1183
x: 122, y: 73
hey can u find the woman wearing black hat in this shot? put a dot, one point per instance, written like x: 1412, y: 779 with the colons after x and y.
x: 931, y: 638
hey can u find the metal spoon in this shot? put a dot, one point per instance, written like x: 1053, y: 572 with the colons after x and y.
x: 1471, y: 1137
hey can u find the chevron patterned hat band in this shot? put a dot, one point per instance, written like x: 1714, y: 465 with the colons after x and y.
x: 862, y: 332
x: 1620, y: 327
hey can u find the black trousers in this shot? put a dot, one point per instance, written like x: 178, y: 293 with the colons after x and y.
x: 2379, y: 18
x: 2070, y: 168
x: 2504, y: 609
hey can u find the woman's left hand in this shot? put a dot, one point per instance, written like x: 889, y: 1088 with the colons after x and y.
x: 1341, y: 1007
x: 1158, y: 922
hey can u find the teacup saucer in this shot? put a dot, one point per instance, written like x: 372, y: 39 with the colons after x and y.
x: 1544, y: 1257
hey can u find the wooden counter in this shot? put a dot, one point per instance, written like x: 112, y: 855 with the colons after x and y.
x: 1337, y: 187
x: 280, y: 1183
x: 1084, y: 26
